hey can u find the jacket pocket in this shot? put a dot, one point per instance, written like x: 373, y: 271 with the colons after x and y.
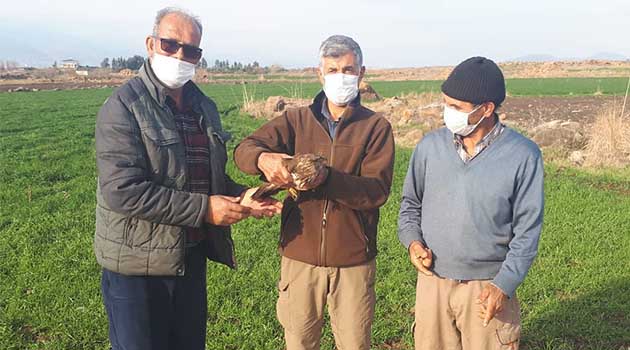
x: 364, y: 236
x: 166, y: 156
x: 162, y: 137
x: 508, y: 333
x: 346, y: 241
x: 141, y: 233
x: 283, y: 306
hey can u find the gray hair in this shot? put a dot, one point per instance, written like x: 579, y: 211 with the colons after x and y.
x: 339, y: 45
x: 180, y: 12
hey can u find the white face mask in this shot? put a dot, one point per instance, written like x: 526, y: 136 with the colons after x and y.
x: 457, y: 122
x: 172, y: 72
x: 341, y: 88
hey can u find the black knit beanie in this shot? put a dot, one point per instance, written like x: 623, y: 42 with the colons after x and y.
x: 476, y: 80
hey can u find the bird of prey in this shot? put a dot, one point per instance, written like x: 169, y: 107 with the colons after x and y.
x: 304, y: 169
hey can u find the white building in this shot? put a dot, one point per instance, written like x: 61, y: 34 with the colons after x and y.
x: 69, y: 64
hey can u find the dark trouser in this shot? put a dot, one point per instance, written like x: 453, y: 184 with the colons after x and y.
x: 156, y: 312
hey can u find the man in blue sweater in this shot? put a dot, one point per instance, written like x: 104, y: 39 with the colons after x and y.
x: 471, y: 216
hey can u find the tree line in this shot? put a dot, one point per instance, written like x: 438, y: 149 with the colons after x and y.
x: 220, y: 66
x: 120, y: 63
x: 224, y: 66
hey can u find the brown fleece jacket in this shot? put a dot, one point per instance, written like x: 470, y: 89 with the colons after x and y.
x: 336, y: 223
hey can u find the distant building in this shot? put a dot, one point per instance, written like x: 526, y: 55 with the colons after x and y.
x: 69, y: 64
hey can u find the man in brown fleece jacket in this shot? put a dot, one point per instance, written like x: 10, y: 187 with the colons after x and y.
x: 328, y: 234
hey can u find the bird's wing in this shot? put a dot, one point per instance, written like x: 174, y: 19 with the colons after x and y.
x: 266, y: 190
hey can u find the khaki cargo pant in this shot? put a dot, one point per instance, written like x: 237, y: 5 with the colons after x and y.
x: 447, y: 317
x: 305, y: 290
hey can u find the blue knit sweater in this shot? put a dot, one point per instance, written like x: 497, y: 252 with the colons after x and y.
x: 481, y: 219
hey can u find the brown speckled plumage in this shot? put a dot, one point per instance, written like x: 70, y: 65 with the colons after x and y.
x: 302, y: 167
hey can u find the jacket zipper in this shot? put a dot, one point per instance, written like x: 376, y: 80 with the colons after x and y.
x: 203, y: 125
x: 322, y: 247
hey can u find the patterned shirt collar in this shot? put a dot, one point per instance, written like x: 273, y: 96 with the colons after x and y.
x: 481, y: 145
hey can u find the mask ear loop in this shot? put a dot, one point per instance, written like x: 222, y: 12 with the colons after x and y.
x: 480, y: 120
x: 475, y: 110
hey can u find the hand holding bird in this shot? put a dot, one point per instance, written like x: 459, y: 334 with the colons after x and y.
x: 308, y: 171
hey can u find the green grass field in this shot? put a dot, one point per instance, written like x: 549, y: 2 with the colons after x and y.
x: 230, y: 94
x: 577, y: 295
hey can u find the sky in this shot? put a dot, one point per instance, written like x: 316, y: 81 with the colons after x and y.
x: 288, y: 32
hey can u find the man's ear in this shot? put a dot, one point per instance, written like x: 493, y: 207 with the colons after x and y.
x: 361, y: 74
x: 489, y: 109
x: 150, y: 44
x: 320, y: 75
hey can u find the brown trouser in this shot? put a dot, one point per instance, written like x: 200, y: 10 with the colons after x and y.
x: 447, y: 317
x: 306, y: 289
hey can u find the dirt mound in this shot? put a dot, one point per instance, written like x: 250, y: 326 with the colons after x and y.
x: 559, y: 133
x: 126, y: 73
x: 557, y: 69
x: 201, y: 76
x: 411, y: 115
x: 273, y: 106
x: 568, y: 129
x: 367, y: 92
x: 553, y: 69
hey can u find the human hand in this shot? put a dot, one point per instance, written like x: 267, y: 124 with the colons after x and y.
x: 262, y: 207
x: 492, y: 301
x: 421, y: 257
x: 225, y: 210
x: 272, y: 166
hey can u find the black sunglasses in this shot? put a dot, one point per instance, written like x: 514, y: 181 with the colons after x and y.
x: 171, y: 46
